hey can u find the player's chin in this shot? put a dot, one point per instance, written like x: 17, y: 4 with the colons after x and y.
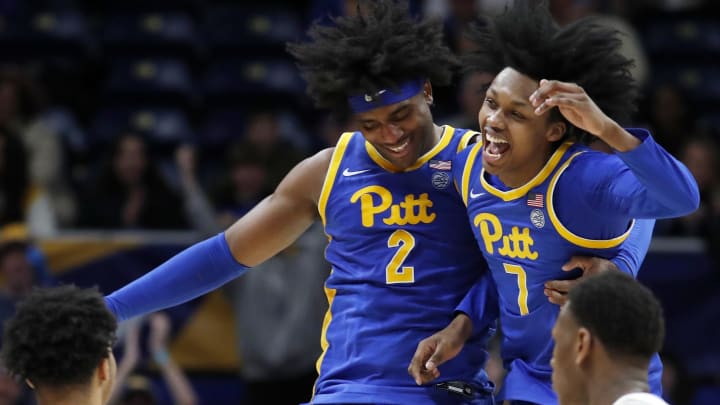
x: 406, y: 161
x: 492, y: 168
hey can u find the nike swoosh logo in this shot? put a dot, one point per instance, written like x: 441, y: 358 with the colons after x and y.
x: 473, y: 195
x: 348, y: 173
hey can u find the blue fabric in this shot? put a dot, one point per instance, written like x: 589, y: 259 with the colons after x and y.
x: 375, y: 320
x: 595, y: 197
x: 366, y: 102
x: 633, y: 250
x: 191, y: 273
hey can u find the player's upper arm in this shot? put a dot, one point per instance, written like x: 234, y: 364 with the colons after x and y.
x: 278, y: 220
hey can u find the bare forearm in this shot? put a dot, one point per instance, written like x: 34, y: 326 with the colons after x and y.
x: 618, y: 138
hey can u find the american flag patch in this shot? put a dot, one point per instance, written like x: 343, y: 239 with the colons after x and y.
x: 535, y: 200
x: 440, y: 164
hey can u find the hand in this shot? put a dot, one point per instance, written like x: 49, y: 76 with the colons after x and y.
x: 557, y: 290
x: 159, y: 331
x: 439, y: 348
x: 574, y: 104
x: 131, y: 345
x: 581, y: 111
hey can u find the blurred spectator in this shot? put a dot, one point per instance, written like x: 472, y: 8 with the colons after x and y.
x: 13, y: 179
x: 471, y: 98
x: 330, y: 127
x: 198, y: 208
x: 276, y: 154
x: 462, y: 14
x: 16, y: 270
x: 21, y: 108
x: 568, y: 11
x: 134, y: 389
x: 700, y: 155
x: 279, y: 308
x: 670, y: 117
x: 245, y: 183
x: 18, y: 276
x: 130, y: 192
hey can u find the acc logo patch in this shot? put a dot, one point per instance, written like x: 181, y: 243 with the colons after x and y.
x: 537, y: 218
x: 440, y: 180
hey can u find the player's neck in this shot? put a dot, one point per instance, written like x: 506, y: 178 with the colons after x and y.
x: 434, y: 139
x: 522, y: 175
x: 614, y: 382
x: 69, y: 396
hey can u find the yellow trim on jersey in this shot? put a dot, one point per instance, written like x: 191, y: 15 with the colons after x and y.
x: 539, y: 178
x: 324, y: 344
x: 564, y: 232
x: 467, y: 169
x: 385, y: 164
x: 332, y: 173
x: 466, y: 139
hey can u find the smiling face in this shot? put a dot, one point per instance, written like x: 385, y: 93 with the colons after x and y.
x: 517, y: 142
x: 401, y: 132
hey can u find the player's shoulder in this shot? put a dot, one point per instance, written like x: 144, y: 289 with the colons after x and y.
x: 468, y: 156
x: 590, y: 162
x: 320, y: 161
x: 466, y: 138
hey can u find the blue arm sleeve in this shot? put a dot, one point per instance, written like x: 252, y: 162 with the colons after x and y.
x: 653, y: 184
x: 633, y: 250
x: 667, y: 180
x: 481, y: 304
x: 191, y: 273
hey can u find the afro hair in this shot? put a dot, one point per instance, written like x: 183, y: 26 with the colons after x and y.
x: 58, y: 336
x: 383, y: 46
x: 526, y: 38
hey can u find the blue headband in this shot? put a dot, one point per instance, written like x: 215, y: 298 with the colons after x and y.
x: 367, y: 102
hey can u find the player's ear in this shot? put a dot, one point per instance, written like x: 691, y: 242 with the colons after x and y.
x: 583, y: 346
x: 428, y: 93
x: 104, y: 368
x: 556, y: 131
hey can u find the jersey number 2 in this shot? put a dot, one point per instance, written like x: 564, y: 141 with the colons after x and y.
x: 522, y: 285
x: 395, y: 272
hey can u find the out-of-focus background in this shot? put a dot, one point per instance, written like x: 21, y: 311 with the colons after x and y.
x: 131, y: 129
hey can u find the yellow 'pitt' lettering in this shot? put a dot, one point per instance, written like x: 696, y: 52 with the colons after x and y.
x: 413, y: 210
x: 517, y: 244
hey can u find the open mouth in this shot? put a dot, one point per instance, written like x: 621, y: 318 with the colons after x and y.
x: 495, y: 147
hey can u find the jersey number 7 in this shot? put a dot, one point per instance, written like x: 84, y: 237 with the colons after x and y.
x: 522, y: 285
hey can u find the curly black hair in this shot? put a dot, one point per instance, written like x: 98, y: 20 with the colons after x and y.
x: 526, y: 38
x: 622, y: 313
x: 383, y: 46
x: 58, y: 336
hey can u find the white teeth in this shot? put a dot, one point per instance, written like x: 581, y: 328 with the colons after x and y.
x: 494, y: 139
x: 401, y: 147
x: 494, y: 155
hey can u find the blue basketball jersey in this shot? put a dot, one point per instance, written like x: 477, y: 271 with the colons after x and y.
x: 525, y: 245
x: 402, y: 258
